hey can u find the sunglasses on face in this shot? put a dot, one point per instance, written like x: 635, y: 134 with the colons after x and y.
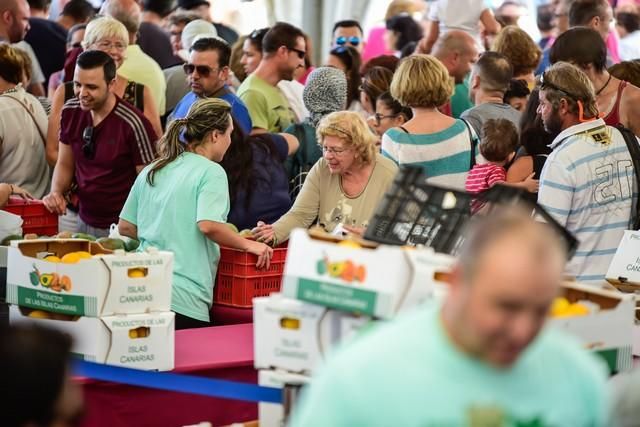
x: 88, y: 146
x: 353, y: 41
x: 300, y: 53
x: 203, y: 70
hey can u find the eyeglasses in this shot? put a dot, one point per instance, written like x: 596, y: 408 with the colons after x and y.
x: 88, y: 146
x: 300, y: 53
x: 545, y: 83
x: 334, y: 151
x: 203, y: 70
x: 107, y: 45
x: 353, y: 41
x: 378, y: 117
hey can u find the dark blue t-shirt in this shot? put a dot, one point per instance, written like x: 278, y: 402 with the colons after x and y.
x: 270, y: 197
x: 49, y: 42
x: 238, y: 109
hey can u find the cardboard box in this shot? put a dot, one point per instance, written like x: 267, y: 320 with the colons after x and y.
x: 608, y: 331
x: 272, y: 414
x: 624, y: 270
x: 99, y: 286
x: 376, y: 282
x: 141, y: 341
x: 296, y: 336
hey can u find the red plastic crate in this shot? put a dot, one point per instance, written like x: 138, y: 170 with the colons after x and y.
x: 238, y: 281
x: 36, y: 218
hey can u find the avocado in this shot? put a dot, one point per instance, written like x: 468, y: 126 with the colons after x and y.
x: 84, y: 236
x: 131, y: 245
x: 111, y: 244
x: 7, y: 240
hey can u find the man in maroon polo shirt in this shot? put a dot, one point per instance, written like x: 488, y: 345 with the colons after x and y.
x: 104, y: 141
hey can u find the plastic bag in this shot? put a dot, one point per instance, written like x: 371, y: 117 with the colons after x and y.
x: 10, y: 224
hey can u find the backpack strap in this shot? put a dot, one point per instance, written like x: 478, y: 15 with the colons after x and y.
x: 634, y: 150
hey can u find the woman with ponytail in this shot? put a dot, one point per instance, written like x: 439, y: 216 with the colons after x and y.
x: 180, y: 203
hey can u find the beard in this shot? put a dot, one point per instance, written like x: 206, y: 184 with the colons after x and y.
x: 553, y: 124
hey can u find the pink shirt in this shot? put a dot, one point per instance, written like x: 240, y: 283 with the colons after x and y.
x: 483, y: 177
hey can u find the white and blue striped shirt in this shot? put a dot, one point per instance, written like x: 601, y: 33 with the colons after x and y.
x: 588, y: 186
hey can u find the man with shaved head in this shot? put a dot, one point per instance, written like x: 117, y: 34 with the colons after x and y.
x: 138, y: 66
x: 14, y: 20
x: 458, y: 51
x: 482, y: 358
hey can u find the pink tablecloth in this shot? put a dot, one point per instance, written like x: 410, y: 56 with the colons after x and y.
x: 223, y: 352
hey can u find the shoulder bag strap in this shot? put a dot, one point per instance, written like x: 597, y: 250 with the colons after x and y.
x: 42, y: 135
x: 634, y: 150
x: 473, y: 138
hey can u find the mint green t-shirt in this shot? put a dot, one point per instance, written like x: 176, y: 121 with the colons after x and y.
x: 268, y: 107
x: 188, y: 190
x: 460, y: 101
x: 407, y: 373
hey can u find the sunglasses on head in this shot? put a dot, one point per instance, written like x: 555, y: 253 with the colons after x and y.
x: 88, y: 145
x: 258, y: 34
x: 203, y: 70
x: 353, y: 41
x: 300, y: 53
x: 546, y: 83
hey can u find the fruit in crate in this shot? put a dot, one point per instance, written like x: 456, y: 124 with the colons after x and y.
x: 131, y: 245
x: 136, y: 273
x: 30, y: 236
x: 7, y: 240
x: 52, y: 258
x: 350, y: 244
x: 111, y: 244
x: 561, y: 307
x: 84, y: 236
x: 39, y: 314
x: 64, y: 235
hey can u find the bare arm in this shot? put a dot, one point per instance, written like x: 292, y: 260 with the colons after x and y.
x: 62, y: 176
x: 53, y: 129
x: 222, y: 235
x: 491, y: 26
x: 630, y: 109
x: 258, y: 131
x: 426, y: 43
x: 520, y: 169
x: 125, y: 228
x: 292, y: 142
x: 151, y: 112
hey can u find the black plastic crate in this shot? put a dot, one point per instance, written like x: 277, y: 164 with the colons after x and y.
x: 414, y: 212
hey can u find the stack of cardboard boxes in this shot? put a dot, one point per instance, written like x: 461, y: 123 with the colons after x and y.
x: 116, y: 306
x: 332, y: 291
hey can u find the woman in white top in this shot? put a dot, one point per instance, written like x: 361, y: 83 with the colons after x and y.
x: 23, y: 125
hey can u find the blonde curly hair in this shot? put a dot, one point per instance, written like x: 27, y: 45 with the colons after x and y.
x: 353, y: 130
x: 522, y: 52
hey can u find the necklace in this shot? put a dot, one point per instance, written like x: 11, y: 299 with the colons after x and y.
x: 605, y: 85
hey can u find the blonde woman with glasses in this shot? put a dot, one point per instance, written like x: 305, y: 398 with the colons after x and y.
x: 344, y: 187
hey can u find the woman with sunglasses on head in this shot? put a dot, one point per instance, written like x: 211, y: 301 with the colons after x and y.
x: 347, y: 59
x: 110, y: 36
x: 180, y: 203
x: 343, y: 188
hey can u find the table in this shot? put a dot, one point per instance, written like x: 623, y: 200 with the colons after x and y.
x: 225, y: 315
x: 222, y: 352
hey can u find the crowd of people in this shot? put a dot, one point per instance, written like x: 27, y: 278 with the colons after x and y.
x: 170, y: 125
x: 461, y: 96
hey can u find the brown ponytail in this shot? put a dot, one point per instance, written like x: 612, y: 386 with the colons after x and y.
x: 205, y: 116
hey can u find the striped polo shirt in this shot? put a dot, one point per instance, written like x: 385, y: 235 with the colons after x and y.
x: 588, y: 186
x: 444, y: 156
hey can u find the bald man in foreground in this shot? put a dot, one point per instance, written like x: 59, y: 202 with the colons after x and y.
x: 482, y: 358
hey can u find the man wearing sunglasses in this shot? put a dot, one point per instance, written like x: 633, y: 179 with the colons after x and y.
x: 587, y: 183
x: 348, y: 32
x: 207, y: 71
x: 104, y: 142
x: 283, y: 52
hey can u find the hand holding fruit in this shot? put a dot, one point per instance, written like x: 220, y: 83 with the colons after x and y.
x: 263, y: 232
x: 55, y: 203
